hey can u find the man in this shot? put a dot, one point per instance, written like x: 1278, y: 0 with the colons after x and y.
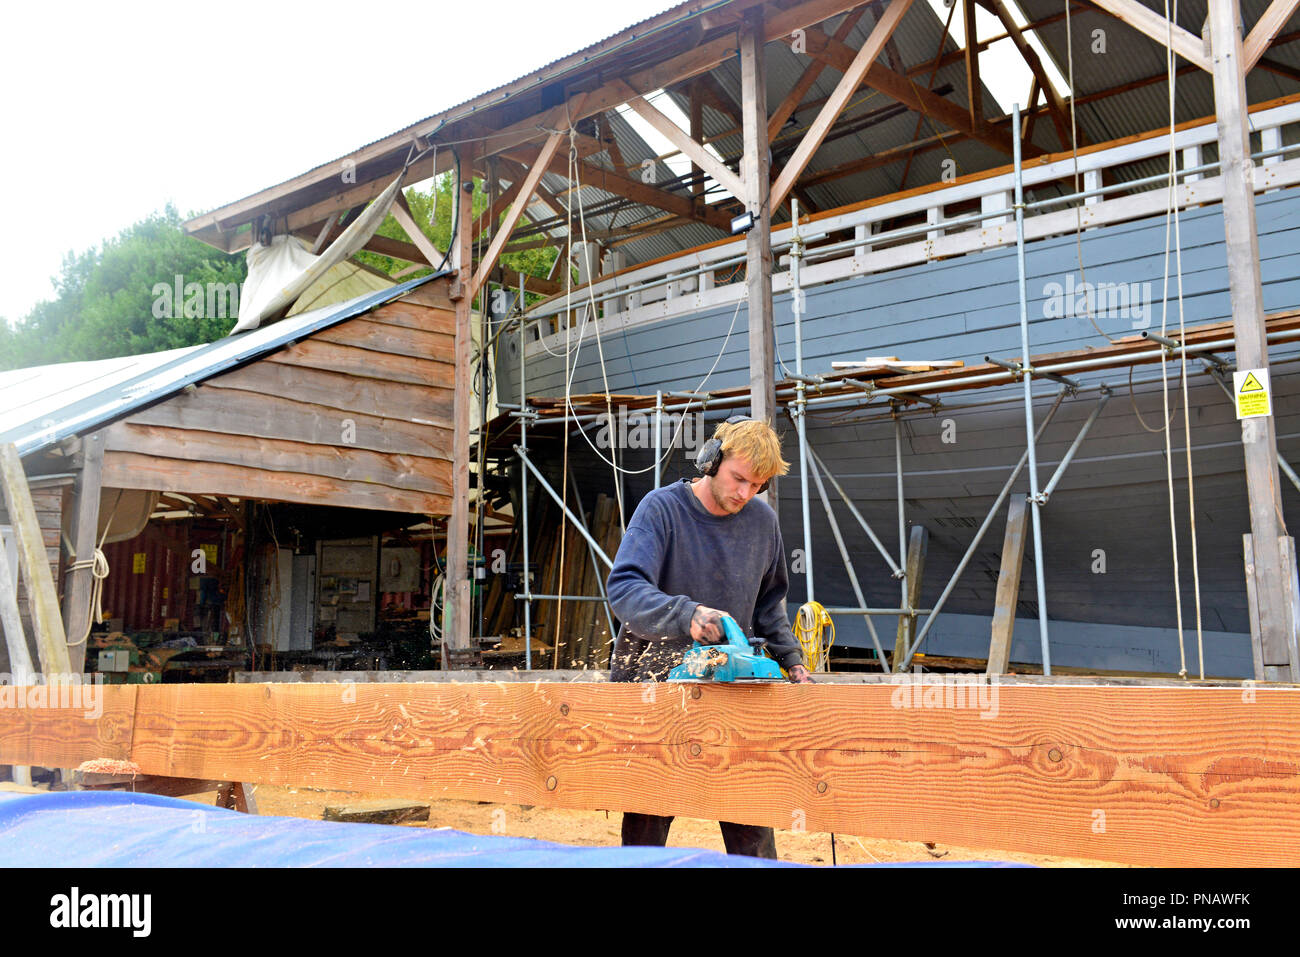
x: 694, y: 551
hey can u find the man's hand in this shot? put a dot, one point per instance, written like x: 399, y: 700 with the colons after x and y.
x: 800, y: 675
x: 706, y: 625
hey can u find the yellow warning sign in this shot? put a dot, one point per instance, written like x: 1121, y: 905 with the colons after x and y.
x: 137, y: 563
x: 1250, y: 389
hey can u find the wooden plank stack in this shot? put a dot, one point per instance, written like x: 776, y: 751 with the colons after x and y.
x: 573, y: 634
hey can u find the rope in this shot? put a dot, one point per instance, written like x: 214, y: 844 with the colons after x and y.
x: 1171, y: 212
x: 815, y: 631
x: 1182, y: 332
x: 98, y: 565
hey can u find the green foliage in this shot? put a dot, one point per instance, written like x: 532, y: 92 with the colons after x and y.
x: 105, y: 298
x: 106, y: 301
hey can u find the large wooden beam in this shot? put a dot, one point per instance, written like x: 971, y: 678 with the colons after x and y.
x: 849, y: 82
x: 974, y: 92
x: 791, y: 104
x: 1008, y: 590
x: 1059, y: 111
x: 755, y: 170
x: 1185, y: 776
x: 694, y: 151
x: 401, y: 211
x: 84, y: 530
x: 516, y: 210
x: 456, y: 649
x: 1262, y: 33
x: 633, y: 189
x: 902, y: 89
x: 1145, y: 20
x: 385, y: 156
x: 42, y: 598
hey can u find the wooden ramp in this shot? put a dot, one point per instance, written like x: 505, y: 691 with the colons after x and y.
x: 1145, y: 775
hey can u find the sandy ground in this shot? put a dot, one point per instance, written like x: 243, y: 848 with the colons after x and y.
x: 602, y: 828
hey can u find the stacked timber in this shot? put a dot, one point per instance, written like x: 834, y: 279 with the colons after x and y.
x: 576, y: 634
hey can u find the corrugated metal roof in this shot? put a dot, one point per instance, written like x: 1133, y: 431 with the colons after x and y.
x: 46, y: 404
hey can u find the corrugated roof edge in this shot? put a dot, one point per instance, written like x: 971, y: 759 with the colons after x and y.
x: 122, y: 399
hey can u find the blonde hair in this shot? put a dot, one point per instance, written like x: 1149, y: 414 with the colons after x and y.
x: 755, y: 441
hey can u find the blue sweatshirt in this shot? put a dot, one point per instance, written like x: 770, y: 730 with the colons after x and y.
x: 676, y: 555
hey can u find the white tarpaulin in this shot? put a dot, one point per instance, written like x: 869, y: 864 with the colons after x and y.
x: 281, y: 273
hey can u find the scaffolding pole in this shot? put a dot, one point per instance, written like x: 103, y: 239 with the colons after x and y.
x: 1035, y: 498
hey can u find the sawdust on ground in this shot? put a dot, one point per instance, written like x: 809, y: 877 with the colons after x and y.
x: 601, y: 828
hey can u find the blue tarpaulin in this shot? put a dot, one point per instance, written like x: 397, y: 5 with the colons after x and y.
x: 119, y: 829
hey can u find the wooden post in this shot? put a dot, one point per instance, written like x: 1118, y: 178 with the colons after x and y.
x: 1004, y: 607
x: 456, y: 643
x: 43, y: 600
x: 974, y: 93
x: 917, y: 545
x: 85, y: 529
x: 1270, y: 626
x: 697, y: 134
x: 755, y: 171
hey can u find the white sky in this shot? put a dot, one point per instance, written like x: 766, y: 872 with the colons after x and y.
x: 112, y: 110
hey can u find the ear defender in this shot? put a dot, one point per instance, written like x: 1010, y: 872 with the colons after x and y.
x: 709, y: 458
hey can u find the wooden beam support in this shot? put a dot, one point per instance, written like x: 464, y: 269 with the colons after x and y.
x: 1059, y: 111
x: 84, y: 532
x: 755, y: 170
x: 385, y: 155
x: 918, y: 545
x: 42, y: 598
x: 401, y: 212
x: 456, y: 647
x: 499, y: 206
x: 974, y: 92
x: 791, y: 104
x: 849, y: 82
x: 635, y: 190
x: 1008, y: 592
x: 679, y: 138
x: 1270, y: 628
x: 906, y: 91
x: 1185, y: 776
x: 516, y: 210
x: 1262, y: 33
x: 1145, y: 20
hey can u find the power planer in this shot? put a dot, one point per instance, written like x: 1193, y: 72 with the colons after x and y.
x: 738, y: 658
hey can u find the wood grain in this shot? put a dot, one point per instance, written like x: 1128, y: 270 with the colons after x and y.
x: 337, y: 390
x: 338, y: 461
x: 155, y: 473
x: 332, y: 357
x: 65, y: 736
x: 1144, y: 775
x: 391, y: 338
x: 275, y: 417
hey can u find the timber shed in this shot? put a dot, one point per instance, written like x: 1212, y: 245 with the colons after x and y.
x: 216, y: 478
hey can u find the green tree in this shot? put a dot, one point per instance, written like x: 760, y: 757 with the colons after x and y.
x: 105, y: 298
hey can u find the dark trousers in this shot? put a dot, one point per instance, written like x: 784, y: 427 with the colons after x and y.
x: 651, y: 831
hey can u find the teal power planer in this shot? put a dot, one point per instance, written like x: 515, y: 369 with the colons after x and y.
x: 737, y: 659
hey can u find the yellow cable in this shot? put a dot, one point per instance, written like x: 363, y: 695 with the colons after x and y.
x: 811, y: 626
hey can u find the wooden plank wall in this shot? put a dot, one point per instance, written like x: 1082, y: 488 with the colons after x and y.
x: 1143, y: 775
x: 357, y: 415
